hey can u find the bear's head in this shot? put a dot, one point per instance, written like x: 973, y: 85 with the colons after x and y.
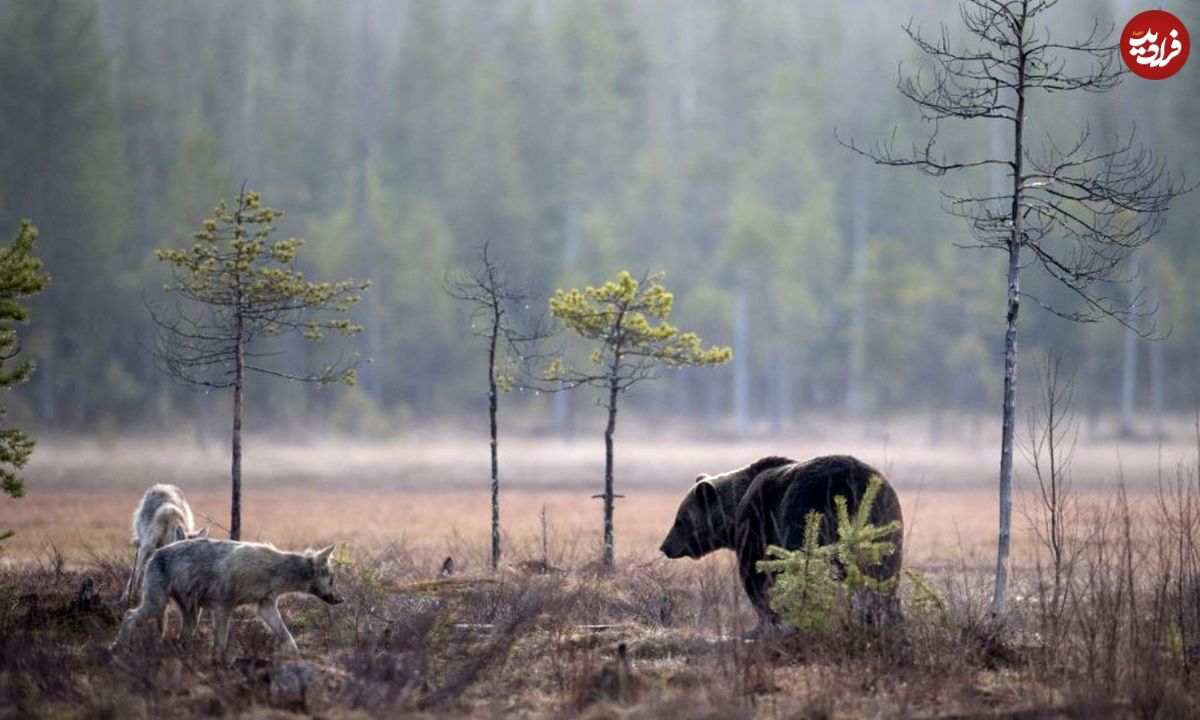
x: 702, y: 524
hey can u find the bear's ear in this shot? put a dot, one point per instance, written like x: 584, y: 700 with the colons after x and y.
x: 706, y: 493
x: 701, y: 476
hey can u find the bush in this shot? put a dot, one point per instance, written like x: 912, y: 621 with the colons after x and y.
x: 817, y: 584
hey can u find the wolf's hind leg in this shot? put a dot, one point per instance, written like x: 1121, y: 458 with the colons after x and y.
x: 187, y: 633
x: 269, y: 613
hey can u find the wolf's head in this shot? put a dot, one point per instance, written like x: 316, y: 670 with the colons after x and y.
x: 321, y: 584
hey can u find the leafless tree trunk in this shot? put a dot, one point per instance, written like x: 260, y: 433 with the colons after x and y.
x: 235, y: 473
x: 492, y: 296
x: 1009, y: 411
x: 1075, y: 213
x: 860, y: 230
x: 1157, y: 386
x: 1130, y: 357
x: 741, y: 368
x: 609, y: 429
x: 493, y: 402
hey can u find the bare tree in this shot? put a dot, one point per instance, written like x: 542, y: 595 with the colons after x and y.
x: 1073, y: 211
x: 1053, y: 518
x: 494, y: 299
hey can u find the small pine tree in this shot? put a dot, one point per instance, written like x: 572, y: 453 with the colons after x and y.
x: 860, y: 544
x: 21, y: 275
x: 236, y: 287
x: 806, y: 593
x: 627, y: 320
x: 816, y: 583
x: 924, y: 598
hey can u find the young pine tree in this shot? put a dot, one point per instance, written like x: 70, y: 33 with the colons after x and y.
x: 816, y: 584
x: 237, y: 288
x: 626, y: 320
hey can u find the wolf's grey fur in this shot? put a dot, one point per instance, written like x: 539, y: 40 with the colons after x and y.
x: 222, y: 575
x: 162, y: 517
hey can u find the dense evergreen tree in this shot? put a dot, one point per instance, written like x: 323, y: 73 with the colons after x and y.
x: 21, y: 276
x: 61, y: 161
x: 580, y: 138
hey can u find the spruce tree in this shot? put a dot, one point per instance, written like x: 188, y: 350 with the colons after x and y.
x: 21, y: 276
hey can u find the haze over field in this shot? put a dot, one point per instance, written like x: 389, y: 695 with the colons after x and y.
x: 579, y: 138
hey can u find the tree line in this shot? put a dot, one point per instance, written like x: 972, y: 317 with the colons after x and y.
x: 579, y: 138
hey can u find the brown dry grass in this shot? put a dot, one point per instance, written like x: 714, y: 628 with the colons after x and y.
x: 540, y: 645
x: 432, y: 492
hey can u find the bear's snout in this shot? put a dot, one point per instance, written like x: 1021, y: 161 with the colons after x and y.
x: 671, y: 552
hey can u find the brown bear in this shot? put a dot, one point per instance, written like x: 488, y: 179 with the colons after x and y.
x: 765, y: 503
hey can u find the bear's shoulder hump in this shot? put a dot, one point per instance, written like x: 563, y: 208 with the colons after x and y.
x: 767, y: 463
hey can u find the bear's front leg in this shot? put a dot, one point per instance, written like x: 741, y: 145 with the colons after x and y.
x: 758, y: 590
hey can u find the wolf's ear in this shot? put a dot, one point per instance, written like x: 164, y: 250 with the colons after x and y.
x: 203, y: 534
x: 180, y: 534
x: 324, y: 555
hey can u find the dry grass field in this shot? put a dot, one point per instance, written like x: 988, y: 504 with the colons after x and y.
x: 530, y: 644
x: 432, y: 493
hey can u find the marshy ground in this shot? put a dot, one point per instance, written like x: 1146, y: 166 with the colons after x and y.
x: 1123, y: 642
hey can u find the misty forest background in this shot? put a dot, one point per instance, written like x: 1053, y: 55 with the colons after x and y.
x: 578, y: 138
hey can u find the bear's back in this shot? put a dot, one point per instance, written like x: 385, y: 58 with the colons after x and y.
x: 784, y: 494
x: 818, y: 479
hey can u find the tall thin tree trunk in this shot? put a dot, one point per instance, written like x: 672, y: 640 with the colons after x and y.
x: 608, y: 472
x: 1157, y: 389
x: 1010, y: 347
x: 235, y: 504
x: 782, y: 367
x: 860, y: 229
x: 741, y: 361
x: 365, y: 244
x: 493, y: 401
x: 1129, y: 359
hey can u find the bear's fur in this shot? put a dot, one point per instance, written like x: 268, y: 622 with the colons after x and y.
x: 765, y: 503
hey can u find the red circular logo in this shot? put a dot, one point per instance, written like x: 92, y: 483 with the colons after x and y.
x: 1155, y: 44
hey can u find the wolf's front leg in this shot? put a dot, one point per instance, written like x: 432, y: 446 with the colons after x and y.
x: 127, y: 626
x: 135, y: 617
x: 269, y: 613
x: 220, y: 615
x: 127, y: 595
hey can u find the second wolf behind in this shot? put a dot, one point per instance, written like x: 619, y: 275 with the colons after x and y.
x: 222, y: 575
x: 163, y: 516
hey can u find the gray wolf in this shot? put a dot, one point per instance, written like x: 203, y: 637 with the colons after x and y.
x: 765, y: 503
x: 223, y: 575
x: 163, y: 516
